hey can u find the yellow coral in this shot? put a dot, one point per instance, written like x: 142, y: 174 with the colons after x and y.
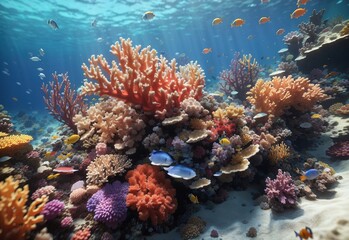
x: 10, y: 145
x: 345, y: 30
x: 2, y: 134
x: 15, y: 219
x: 278, y: 152
x: 231, y: 112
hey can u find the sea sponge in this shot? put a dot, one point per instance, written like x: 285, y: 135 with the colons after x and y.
x: 12, y: 145
x: 15, y: 219
x: 151, y: 194
x: 105, y: 166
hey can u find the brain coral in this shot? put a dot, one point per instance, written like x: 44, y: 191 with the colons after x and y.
x: 151, y: 194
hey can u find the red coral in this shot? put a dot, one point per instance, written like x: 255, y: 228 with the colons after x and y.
x: 151, y: 194
x: 222, y: 127
x: 83, y: 234
x: 339, y: 150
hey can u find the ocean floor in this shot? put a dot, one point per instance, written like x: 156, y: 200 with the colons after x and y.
x: 328, y: 216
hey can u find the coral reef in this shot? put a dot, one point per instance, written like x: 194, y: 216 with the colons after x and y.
x: 339, y: 150
x: 151, y: 194
x: 193, y: 228
x: 280, y: 94
x: 6, y: 125
x: 15, y: 219
x: 12, y: 145
x: 278, y: 152
x: 142, y: 78
x: 53, y: 209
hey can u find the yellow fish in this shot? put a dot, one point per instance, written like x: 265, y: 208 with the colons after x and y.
x: 193, y: 198
x: 54, y: 137
x: 224, y: 142
x: 52, y: 176
x: 315, y: 116
x: 72, y: 139
x: 217, y: 21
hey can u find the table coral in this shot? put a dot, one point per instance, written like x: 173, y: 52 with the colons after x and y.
x: 151, y: 194
x: 16, y: 220
x: 142, y: 78
x: 276, y: 96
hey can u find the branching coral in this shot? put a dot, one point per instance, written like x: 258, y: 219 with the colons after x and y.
x: 106, y: 166
x: 113, y: 121
x: 15, y: 219
x: 142, y: 78
x: 11, y: 145
x: 276, y: 96
x: 278, y: 152
x: 151, y: 194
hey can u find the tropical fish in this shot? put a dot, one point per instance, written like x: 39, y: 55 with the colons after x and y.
x: 52, y: 24
x: 193, y: 198
x: 18, y: 83
x: 42, y: 52
x: 206, y: 50
x: 301, y: 2
x: 5, y: 158
x: 53, y: 176
x: 250, y: 37
x: 260, y: 115
x: 148, y: 15
x: 94, y: 23
x: 304, y: 233
x: 40, y: 69
x: 263, y: 20
x: 315, y: 116
x: 310, y: 174
x: 237, y: 22
x: 331, y: 74
x: 298, y: 12
x: 99, y: 39
x: 305, y: 125
x: 280, y: 31
x: 35, y: 59
x: 160, y: 158
x: 180, y: 171
x: 217, y: 174
x: 217, y: 21
x: 225, y: 142
x: 234, y: 93
x: 41, y: 76
x: 66, y: 170
x: 15, y: 99
x: 72, y: 139
x: 54, y: 137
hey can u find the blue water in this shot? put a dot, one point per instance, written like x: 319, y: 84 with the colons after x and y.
x: 178, y: 27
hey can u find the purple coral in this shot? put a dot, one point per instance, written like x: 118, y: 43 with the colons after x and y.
x: 66, y: 222
x: 339, y: 150
x: 109, y: 204
x: 53, y: 209
x: 282, y: 189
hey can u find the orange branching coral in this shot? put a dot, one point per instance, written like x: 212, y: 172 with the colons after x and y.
x: 231, y: 112
x: 142, y: 78
x: 278, y: 152
x: 279, y: 94
x: 11, y: 144
x: 15, y: 219
x: 151, y: 193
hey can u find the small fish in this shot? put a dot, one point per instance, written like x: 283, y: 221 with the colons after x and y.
x: 5, y: 158
x: 216, y: 21
x: 94, y: 23
x: 305, y: 125
x: 217, y: 174
x: 160, y: 158
x: 263, y: 20
x: 304, y: 233
x: 298, y: 13
x: 249, y: 85
x: 206, y: 50
x: 54, y: 137
x: 339, y: 2
x: 250, y: 37
x: 180, y: 171
x: 301, y: 2
x: 331, y: 74
x: 41, y: 52
x: 53, y: 176
x: 52, y: 24
x: 99, y: 39
x: 148, y: 15
x: 194, y: 199
x: 260, y: 115
x: 42, y: 76
x: 316, y: 116
x: 35, y: 59
x: 280, y: 31
x: 40, y: 69
x: 310, y: 175
x: 18, y: 83
x: 14, y: 99
x: 66, y: 170
x: 237, y: 22
x: 28, y: 92
x: 234, y: 93
x: 224, y: 142
x: 72, y: 139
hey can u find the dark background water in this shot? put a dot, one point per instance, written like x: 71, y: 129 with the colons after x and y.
x: 179, y: 27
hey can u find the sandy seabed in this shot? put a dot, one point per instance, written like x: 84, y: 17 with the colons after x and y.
x: 328, y: 216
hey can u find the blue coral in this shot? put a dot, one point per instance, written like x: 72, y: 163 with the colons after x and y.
x: 109, y: 204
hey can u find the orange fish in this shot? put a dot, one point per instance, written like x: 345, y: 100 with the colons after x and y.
x: 301, y: 2
x: 298, y: 12
x: 263, y: 20
x: 331, y: 74
x: 280, y: 31
x: 304, y: 233
x: 237, y: 22
x: 66, y: 170
x: 206, y: 50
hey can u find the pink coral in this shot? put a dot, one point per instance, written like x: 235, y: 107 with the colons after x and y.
x: 151, y: 194
x: 66, y: 222
x: 101, y: 149
x: 339, y: 150
x: 47, y: 190
x: 77, y: 196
